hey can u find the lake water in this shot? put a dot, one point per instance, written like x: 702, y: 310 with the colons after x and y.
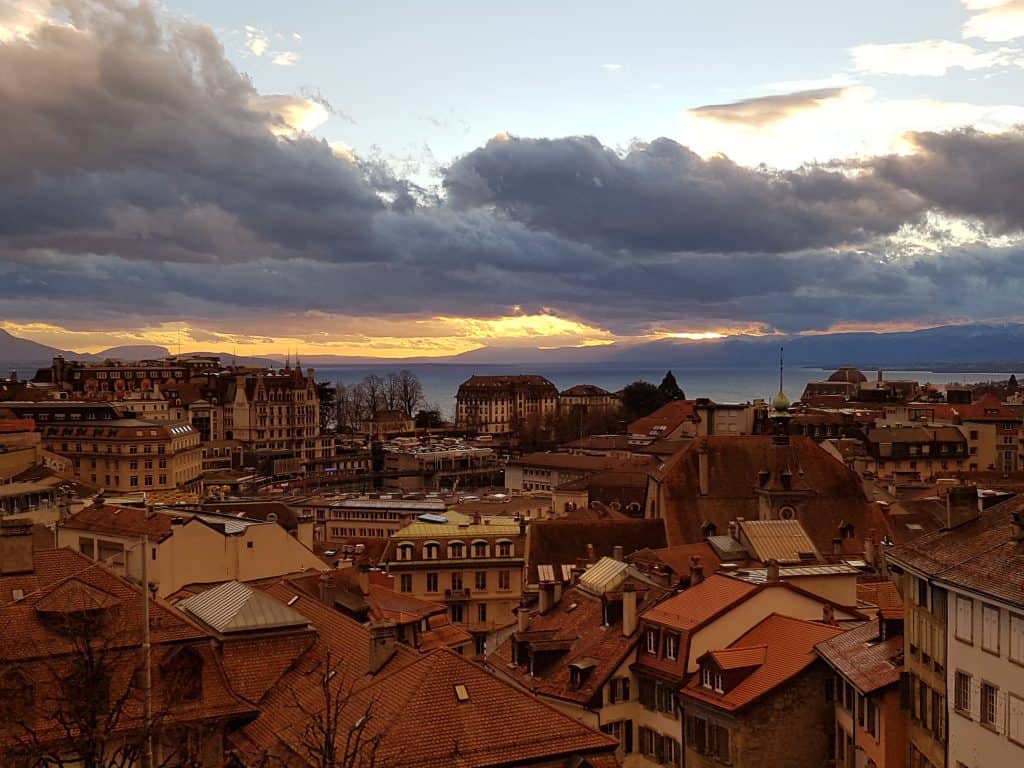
x: 441, y: 381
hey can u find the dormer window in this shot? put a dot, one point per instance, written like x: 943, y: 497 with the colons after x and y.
x: 711, y: 678
x: 456, y: 550
x: 579, y: 671
x: 405, y: 551
x: 651, y: 640
x: 480, y: 549
x: 671, y: 647
x: 505, y: 549
x: 431, y: 550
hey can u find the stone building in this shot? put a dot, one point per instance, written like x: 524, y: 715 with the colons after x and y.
x: 476, y: 569
x: 128, y: 455
x: 761, y: 701
x: 504, y: 405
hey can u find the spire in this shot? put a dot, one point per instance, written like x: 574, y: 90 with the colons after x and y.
x: 781, y: 403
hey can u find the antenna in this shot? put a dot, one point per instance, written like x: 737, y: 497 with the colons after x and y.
x: 781, y: 349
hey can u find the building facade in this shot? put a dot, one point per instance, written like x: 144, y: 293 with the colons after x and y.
x: 504, y: 405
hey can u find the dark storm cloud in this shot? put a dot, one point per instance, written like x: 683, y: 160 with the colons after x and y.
x: 662, y: 196
x: 140, y: 178
x: 766, y: 110
x: 964, y: 172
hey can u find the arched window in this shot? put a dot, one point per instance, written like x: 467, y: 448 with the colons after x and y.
x: 405, y: 550
x: 456, y: 550
x: 431, y: 550
x: 505, y: 548
x: 480, y: 548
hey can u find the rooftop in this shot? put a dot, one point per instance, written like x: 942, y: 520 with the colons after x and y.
x: 863, y: 658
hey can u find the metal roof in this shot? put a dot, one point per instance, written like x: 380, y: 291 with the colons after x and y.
x: 760, y: 575
x: 418, y: 529
x: 727, y: 548
x: 783, y: 540
x: 426, y: 505
x: 603, y: 576
x: 235, y: 607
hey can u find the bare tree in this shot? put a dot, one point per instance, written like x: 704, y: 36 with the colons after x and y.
x: 410, y: 392
x: 373, y: 388
x: 82, y: 704
x: 339, y: 727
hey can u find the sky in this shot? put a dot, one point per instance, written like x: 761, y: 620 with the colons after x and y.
x: 414, y: 179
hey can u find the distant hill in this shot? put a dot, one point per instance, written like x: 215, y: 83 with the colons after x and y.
x: 996, y: 347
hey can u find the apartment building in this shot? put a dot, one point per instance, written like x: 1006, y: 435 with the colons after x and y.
x: 372, y: 516
x: 476, y: 569
x: 184, y: 548
x: 546, y: 471
x: 914, y: 453
x: 127, y: 455
x: 587, y: 398
x: 868, y: 727
x: 977, y: 565
x: 503, y: 405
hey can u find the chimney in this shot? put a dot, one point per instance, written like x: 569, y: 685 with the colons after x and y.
x: 522, y: 526
x: 870, y: 553
x: 787, y: 479
x: 382, y: 644
x: 734, y: 530
x: 556, y: 591
x: 1017, y: 527
x: 99, y: 499
x: 696, y: 571
x: 704, y: 470
x: 522, y: 618
x: 545, y: 598
x: 762, y: 477
x: 150, y: 511
x: 591, y: 555
x: 772, y: 576
x: 962, y: 504
x: 326, y: 589
x: 628, y: 610
x: 828, y: 613
x: 617, y: 553
x: 16, y: 546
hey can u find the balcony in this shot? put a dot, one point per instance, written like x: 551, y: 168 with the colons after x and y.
x: 456, y: 595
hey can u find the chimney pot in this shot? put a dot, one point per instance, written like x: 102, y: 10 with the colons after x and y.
x: 696, y: 571
x: 591, y: 554
x: 382, y: 644
x: 617, y: 552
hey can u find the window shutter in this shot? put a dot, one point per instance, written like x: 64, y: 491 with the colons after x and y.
x: 1017, y: 638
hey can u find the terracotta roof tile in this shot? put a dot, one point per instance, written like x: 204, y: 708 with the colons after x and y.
x: 666, y: 419
x: 863, y: 658
x: 126, y: 521
x: 788, y: 648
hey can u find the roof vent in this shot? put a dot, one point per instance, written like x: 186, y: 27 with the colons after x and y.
x: 461, y: 693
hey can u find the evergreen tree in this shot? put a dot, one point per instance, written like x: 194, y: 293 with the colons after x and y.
x: 670, y: 389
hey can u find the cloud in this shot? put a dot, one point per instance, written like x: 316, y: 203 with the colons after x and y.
x: 257, y: 41
x: 611, y: 67
x: 927, y: 58
x: 794, y: 129
x: 285, y: 58
x: 764, y: 110
x: 995, y: 21
x: 662, y: 196
x: 144, y: 180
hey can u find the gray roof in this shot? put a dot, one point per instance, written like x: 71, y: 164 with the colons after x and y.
x: 234, y: 607
x: 727, y: 548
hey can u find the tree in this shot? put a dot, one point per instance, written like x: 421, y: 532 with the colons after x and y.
x: 81, y: 704
x: 670, y: 389
x: 1011, y: 385
x: 640, y: 399
x: 374, y: 389
x: 327, y: 393
x: 410, y: 392
x: 429, y: 418
x: 338, y: 727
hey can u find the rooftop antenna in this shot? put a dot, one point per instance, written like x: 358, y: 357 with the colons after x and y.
x: 781, y: 350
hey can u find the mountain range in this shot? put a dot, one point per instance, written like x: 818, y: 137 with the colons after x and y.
x: 993, y: 347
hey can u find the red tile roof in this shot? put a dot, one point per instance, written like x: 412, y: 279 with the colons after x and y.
x: 666, y: 419
x: 124, y: 521
x: 787, y: 646
x: 696, y: 605
x: 860, y: 656
x: 679, y: 558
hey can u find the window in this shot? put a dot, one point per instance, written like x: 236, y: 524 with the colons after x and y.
x: 711, y: 678
x: 504, y: 580
x: 962, y: 697
x: 989, y: 697
x: 480, y: 582
x: 458, y: 613
x: 87, y: 547
x: 964, y: 619
x: 623, y: 731
x: 133, y: 481
x: 665, y: 698
x: 504, y: 549
x: 456, y: 550
x: 651, y: 640
x: 618, y: 689
x: 456, y: 580
x: 405, y: 582
x: 671, y: 646
x: 1017, y: 638
x: 647, y: 692
x: 1015, y: 724
x: 405, y: 551
x: 479, y: 549
x: 990, y: 628
x: 481, y: 613
x: 480, y: 644
x: 430, y: 550
x: 431, y: 582
x: 871, y: 717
